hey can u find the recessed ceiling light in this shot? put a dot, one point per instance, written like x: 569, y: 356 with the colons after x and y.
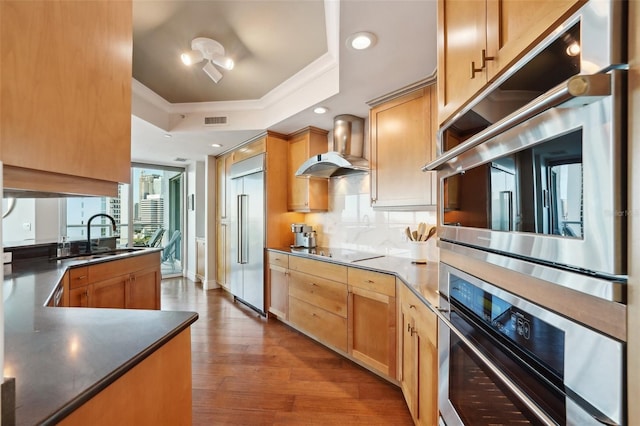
x: 167, y: 135
x: 361, y: 40
x: 320, y: 110
x: 216, y: 145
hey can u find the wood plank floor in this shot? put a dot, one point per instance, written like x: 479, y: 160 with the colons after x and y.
x: 251, y: 371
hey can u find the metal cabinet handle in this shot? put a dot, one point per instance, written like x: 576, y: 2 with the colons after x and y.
x: 483, y: 64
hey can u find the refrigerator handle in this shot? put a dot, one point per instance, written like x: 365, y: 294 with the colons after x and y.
x: 243, y: 243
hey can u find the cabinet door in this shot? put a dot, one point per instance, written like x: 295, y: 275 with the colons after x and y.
x: 278, y: 291
x: 372, y: 329
x: 515, y: 25
x: 109, y: 293
x: 402, y: 141
x: 461, y: 40
x: 418, y: 357
x: 306, y: 194
x: 426, y: 352
x: 408, y: 356
x: 223, y: 165
x: 143, y: 289
x: 66, y: 88
x: 222, y: 255
x: 79, y: 297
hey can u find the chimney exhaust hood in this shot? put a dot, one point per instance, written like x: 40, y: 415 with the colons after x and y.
x: 346, y: 158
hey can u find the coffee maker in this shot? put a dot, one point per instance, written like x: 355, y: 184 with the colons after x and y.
x: 303, y: 235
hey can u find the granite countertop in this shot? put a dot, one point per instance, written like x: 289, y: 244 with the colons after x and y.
x: 61, y: 357
x: 422, y: 279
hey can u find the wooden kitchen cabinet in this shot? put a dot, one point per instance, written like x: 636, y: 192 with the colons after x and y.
x: 278, y: 284
x: 143, y: 291
x: 111, y: 293
x: 372, y: 320
x: 318, y: 300
x: 496, y: 33
x: 132, y: 283
x: 418, y: 357
x: 223, y: 221
x: 306, y: 194
x: 403, y: 133
x: 65, y: 78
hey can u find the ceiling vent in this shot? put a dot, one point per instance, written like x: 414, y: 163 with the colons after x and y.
x: 180, y: 159
x: 215, y: 121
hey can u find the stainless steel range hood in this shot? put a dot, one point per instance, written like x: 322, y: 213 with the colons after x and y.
x: 346, y: 158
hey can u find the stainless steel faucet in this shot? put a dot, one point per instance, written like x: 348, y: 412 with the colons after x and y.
x: 113, y: 222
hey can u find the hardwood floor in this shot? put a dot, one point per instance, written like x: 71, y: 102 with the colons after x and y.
x: 251, y: 371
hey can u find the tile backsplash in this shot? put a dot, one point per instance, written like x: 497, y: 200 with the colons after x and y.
x: 352, y: 223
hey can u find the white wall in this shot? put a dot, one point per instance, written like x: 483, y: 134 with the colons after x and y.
x: 42, y: 217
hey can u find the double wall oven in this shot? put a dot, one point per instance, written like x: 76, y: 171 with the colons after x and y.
x: 532, y: 235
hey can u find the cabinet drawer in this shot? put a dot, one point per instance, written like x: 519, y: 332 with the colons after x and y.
x: 328, y: 328
x: 279, y: 259
x: 372, y: 281
x: 327, y: 270
x: 326, y: 294
x: 78, y: 277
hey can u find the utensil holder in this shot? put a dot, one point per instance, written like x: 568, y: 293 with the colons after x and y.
x: 418, y: 251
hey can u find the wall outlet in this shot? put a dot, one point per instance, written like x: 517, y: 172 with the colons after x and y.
x: 7, y: 257
x: 26, y: 226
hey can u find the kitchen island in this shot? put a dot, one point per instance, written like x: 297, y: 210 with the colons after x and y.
x: 64, y: 359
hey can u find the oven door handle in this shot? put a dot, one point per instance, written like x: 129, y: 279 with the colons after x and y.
x: 524, y: 398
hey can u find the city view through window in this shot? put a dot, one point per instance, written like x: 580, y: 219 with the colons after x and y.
x: 156, y: 214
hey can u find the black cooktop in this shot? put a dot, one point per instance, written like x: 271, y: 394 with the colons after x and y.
x: 339, y: 254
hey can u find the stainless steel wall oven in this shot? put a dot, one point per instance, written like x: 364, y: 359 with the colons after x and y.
x: 505, y: 360
x: 533, y: 167
x: 531, y: 222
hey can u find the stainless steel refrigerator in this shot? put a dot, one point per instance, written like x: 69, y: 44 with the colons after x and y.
x: 248, y: 232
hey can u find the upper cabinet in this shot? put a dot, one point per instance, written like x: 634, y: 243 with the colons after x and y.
x: 402, y: 133
x: 477, y: 40
x: 65, y: 82
x: 306, y: 194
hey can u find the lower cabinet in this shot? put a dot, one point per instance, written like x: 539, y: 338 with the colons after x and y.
x: 143, y: 291
x: 370, y: 317
x: 278, y: 285
x: 372, y: 320
x: 418, y: 357
x: 132, y: 283
x: 111, y: 293
x: 318, y: 300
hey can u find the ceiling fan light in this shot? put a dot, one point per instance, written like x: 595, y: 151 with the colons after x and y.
x: 223, y: 61
x: 192, y: 57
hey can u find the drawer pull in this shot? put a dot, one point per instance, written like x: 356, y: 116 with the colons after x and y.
x: 81, y: 277
x: 314, y: 284
x: 371, y: 281
x: 412, y: 306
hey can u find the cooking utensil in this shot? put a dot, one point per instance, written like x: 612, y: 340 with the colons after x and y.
x: 408, y: 234
x: 431, y: 232
x: 422, y: 229
x: 414, y: 236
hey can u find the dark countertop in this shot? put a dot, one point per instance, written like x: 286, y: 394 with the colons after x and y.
x: 61, y: 357
x: 421, y: 279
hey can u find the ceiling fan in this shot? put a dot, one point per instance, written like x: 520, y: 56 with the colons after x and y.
x: 212, y: 52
